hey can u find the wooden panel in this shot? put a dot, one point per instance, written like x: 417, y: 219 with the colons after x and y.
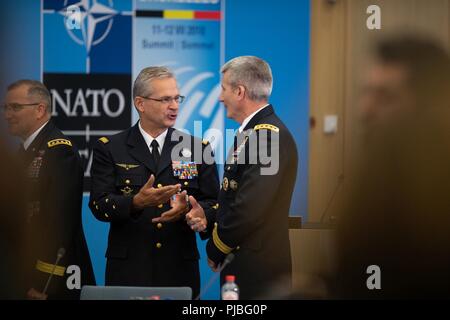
x: 312, y: 252
x: 327, y: 97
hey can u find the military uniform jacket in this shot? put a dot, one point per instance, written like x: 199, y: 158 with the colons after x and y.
x: 54, y: 189
x: 252, y: 218
x: 142, y: 253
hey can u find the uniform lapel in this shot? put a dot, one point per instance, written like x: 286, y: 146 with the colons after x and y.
x: 139, y: 150
x: 239, y: 137
x: 259, y: 116
x: 37, y: 143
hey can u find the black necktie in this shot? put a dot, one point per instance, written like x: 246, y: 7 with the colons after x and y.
x: 155, y: 152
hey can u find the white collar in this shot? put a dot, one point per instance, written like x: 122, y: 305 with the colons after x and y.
x: 28, y: 141
x: 149, y: 139
x: 247, y: 120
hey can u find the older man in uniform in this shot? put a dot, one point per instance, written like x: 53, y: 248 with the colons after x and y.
x: 54, y: 171
x: 137, y: 176
x: 259, y: 177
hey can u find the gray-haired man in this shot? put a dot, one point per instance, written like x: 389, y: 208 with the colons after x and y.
x: 134, y: 176
x: 259, y: 178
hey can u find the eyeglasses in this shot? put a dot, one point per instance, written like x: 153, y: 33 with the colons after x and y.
x: 16, y: 107
x: 167, y: 100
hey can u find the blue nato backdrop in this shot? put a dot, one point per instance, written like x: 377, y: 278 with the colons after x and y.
x: 277, y: 31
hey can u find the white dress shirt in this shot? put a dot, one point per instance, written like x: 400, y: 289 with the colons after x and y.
x: 149, y: 139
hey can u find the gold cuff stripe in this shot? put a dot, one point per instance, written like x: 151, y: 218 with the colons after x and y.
x: 48, y: 268
x: 266, y: 126
x: 218, y: 243
x: 57, y: 142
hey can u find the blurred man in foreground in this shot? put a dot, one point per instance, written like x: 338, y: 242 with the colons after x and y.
x: 396, y: 216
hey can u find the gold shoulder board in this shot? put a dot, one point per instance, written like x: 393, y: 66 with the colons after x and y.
x: 266, y: 126
x: 57, y: 142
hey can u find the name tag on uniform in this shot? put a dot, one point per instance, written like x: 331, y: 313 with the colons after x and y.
x: 184, y: 169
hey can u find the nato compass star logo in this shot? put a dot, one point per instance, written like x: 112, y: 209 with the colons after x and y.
x: 85, y: 24
x: 81, y: 16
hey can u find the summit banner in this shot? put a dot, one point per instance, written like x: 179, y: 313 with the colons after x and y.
x: 185, y: 36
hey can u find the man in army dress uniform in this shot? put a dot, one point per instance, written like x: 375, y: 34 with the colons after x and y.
x: 54, y: 193
x: 254, y: 201
x: 137, y: 176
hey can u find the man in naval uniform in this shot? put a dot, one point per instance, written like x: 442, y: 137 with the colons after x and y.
x: 54, y: 172
x: 257, y: 186
x: 140, y: 181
